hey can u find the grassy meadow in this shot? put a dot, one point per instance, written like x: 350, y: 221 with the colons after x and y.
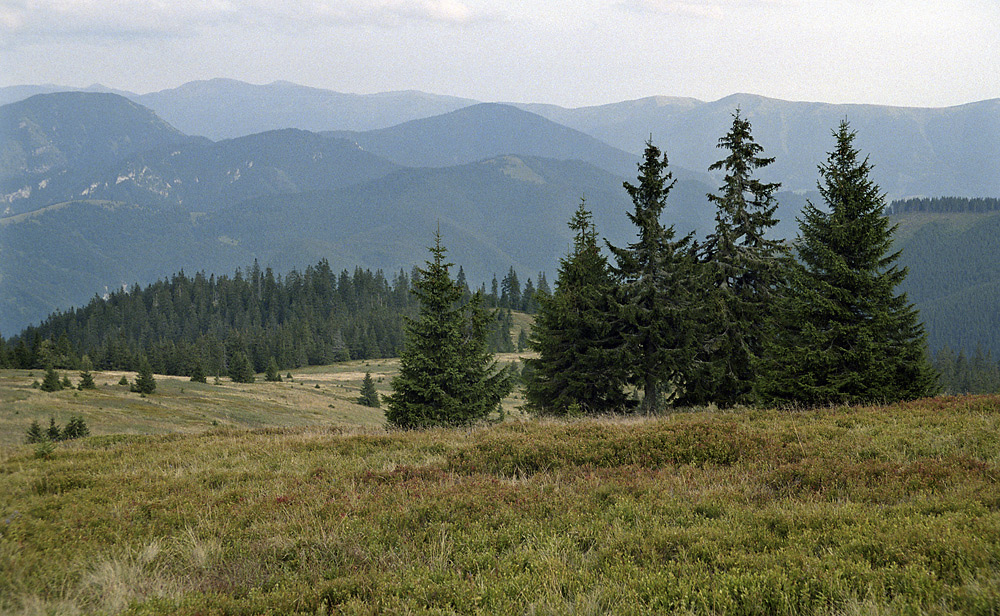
x: 285, y: 499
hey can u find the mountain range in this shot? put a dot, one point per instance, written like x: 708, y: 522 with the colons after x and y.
x: 101, y: 189
x: 917, y: 151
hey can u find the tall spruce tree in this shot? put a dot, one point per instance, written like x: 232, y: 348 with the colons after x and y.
x: 574, y: 336
x: 847, y: 336
x: 657, y: 276
x: 446, y: 376
x: 745, y: 270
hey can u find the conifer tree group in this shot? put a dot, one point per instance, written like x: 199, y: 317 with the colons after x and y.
x: 738, y: 319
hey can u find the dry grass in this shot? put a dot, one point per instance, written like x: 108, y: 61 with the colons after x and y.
x: 180, y: 406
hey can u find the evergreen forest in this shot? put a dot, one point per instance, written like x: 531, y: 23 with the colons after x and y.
x: 240, y: 325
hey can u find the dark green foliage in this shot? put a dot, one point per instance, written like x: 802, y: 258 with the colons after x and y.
x: 943, y: 205
x: 510, y: 291
x: 35, y: 433
x: 144, y: 381
x: 368, y: 397
x: 656, y: 299
x: 498, y: 339
x: 523, y: 341
x: 198, y: 373
x: 86, y: 378
x: 847, y: 336
x: 240, y: 369
x: 310, y: 318
x: 272, y: 375
x: 123, y: 380
x: 447, y: 376
x: 959, y: 374
x: 76, y: 427
x: 51, y: 382
x: 53, y: 433
x: 66, y: 383
x: 576, y: 340
x: 745, y: 269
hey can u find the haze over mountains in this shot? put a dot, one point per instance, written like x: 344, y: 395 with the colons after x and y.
x: 103, y: 189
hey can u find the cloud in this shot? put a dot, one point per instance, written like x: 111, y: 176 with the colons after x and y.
x: 111, y: 18
x: 702, y: 9
x: 177, y: 18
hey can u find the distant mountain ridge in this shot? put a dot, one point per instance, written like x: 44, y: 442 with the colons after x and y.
x: 76, y: 129
x: 100, y: 192
x: 487, y: 130
x: 917, y: 151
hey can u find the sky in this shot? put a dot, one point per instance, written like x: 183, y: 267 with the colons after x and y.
x: 928, y: 53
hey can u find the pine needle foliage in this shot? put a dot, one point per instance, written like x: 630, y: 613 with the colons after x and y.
x: 447, y: 375
x: 745, y: 270
x: 656, y: 301
x: 575, y: 335
x: 198, y: 373
x: 847, y: 335
x: 240, y: 368
x: 369, y: 396
x: 51, y: 382
x: 86, y: 378
x: 144, y: 381
x: 272, y: 375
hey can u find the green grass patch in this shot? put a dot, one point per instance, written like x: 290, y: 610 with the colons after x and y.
x: 884, y: 510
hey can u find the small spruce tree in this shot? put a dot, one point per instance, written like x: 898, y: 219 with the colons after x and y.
x: 368, y: 397
x: 144, y: 381
x: 272, y: 375
x: 76, y: 427
x: 53, y: 433
x: 51, y: 382
x: 198, y: 373
x: 35, y: 433
x: 86, y: 378
x: 240, y: 369
x: 446, y: 376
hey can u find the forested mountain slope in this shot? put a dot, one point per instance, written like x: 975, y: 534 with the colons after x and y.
x: 954, y: 278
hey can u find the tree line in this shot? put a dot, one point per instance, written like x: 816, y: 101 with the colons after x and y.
x: 736, y: 318
x: 943, y: 205
x: 248, y: 323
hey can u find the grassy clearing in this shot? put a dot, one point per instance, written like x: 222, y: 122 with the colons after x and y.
x: 885, y: 510
x: 182, y: 406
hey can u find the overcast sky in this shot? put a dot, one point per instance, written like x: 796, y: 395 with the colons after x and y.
x: 927, y: 53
